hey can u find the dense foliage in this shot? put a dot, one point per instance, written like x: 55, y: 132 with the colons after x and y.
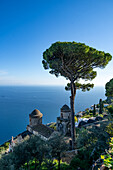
x: 108, y: 157
x: 74, y: 59
x: 33, y: 151
x: 110, y: 110
x: 91, y: 143
x: 109, y: 88
x: 109, y: 129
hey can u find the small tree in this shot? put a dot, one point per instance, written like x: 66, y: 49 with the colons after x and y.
x: 100, y: 106
x: 38, y: 149
x: 58, y: 146
x: 21, y: 155
x: 94, y: 110
x: 74, y: 61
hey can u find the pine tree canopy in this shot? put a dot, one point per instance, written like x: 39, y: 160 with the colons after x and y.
x: 74, y: 61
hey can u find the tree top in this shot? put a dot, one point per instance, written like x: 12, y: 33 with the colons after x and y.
x: 74, y: 60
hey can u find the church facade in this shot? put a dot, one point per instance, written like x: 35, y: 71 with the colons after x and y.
x: 63, y: 124
x: 37, y: 128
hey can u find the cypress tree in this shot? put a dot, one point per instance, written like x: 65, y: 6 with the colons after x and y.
x: 100, y: 106
x: 94, y: 110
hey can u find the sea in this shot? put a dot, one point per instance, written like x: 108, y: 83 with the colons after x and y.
x: 17, y: 102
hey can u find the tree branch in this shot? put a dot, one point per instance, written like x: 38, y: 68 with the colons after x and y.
x: 63, y: 67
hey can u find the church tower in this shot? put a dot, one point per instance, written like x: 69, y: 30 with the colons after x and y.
x: 63, y: 122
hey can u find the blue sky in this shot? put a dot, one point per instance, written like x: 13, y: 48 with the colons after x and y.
x: 28, y: 27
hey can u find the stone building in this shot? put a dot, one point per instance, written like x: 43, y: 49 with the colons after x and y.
x: 64, y: 121
x: 35, y: 118
x: 37, y: 128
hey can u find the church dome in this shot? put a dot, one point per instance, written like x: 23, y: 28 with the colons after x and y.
x: 65, y: 108
x: 36, y: 113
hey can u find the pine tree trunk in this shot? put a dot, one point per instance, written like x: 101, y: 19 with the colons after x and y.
x: 72, y: 98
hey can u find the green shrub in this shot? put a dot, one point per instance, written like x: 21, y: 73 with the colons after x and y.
x: 47, y: 164
x: 110, y: 109
x: 6, y: 145
x: 53, y: 126
x: 108, y: 158
x: 88, y: 116
x: 81, y: 160
x: 109, y: 129
x: 101, y: 115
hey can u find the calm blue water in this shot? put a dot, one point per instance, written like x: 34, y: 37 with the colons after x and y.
x: 16, y: 103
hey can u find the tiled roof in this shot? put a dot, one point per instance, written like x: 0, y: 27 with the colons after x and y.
x: 43, y: 130
x: 36, y: 113
x: 65, y: 108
